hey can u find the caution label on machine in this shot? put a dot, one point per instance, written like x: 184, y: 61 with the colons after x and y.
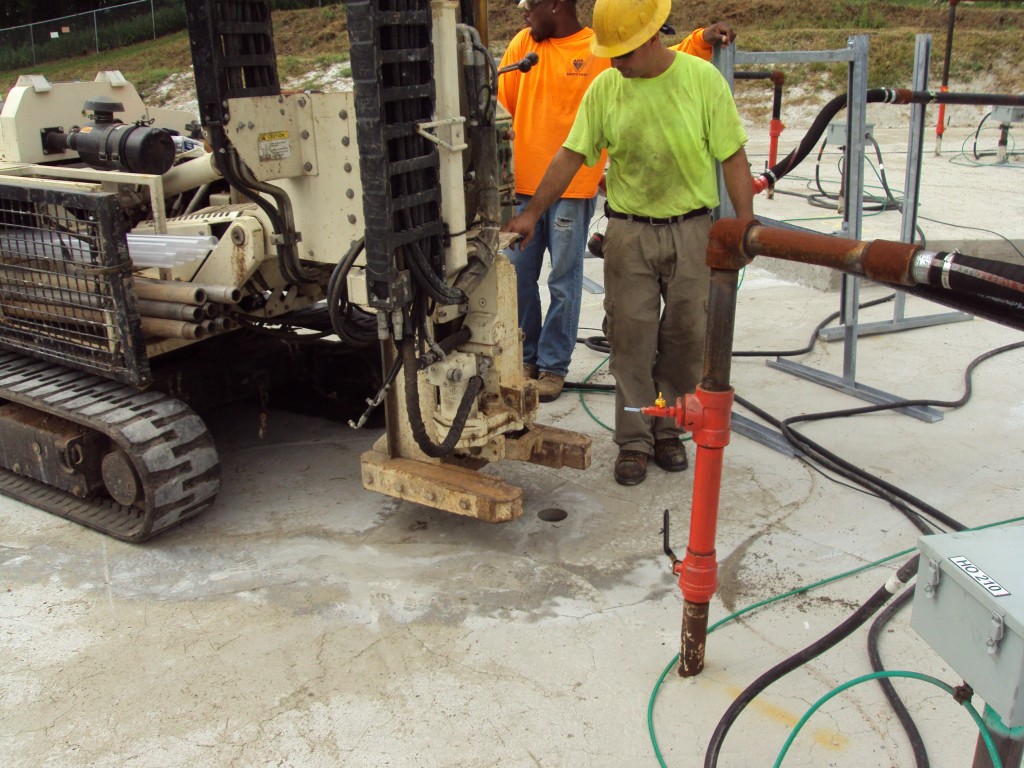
x: 274, y: 146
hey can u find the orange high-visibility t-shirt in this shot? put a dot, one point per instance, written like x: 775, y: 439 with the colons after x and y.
x: 543, y: 105
x: 695, y: 45
x: 543, y: 102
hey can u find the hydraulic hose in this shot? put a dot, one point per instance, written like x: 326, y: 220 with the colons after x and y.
x: 874, y: 96
x: 807, y: 143
x: 972, y: 275
x: 445, y: 345
x: 815, y: 649
x: 230, y: 167
x: 412, y: 402
x: 289, y: 255
x: 429, y: 280
x: 344, y: 323
x: 898, y: 707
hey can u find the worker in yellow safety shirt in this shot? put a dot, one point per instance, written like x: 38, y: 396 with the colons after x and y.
x: 664, y: 119
x: 543, y: 103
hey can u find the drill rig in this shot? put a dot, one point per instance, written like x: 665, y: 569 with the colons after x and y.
x: 154, y: 265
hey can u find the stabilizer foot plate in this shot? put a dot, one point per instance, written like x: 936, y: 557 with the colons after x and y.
x: 442, y: 486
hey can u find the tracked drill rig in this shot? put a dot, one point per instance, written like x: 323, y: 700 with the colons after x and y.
x: 152, y: 265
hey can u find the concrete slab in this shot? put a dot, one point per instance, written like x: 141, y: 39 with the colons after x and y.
x: 305, y: 622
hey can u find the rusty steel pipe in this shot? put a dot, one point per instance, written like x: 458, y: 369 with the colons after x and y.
x: 169, y: 290
x: 710, y: 427
x: 221, y: 294
x: 170, y: 310
x: 172, y: 329
x: 732, y: 242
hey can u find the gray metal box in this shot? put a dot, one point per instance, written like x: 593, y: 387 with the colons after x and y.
x: 836, y: 133
x: 1002, y: 115
x: 969, y: 607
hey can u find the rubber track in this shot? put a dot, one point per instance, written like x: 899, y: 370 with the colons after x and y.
x: 168, y: 443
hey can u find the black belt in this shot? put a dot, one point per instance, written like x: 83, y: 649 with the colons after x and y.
x: 653, y: 220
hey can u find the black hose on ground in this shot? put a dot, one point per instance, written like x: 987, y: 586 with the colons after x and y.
x: 870, y: 607
x: 898, y: 707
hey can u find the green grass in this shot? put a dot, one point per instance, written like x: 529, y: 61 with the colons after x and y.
x: 987, y: 41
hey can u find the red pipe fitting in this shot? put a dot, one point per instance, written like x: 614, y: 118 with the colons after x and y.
x: 940, y: 122
x: 775, y: 129
x: 707, y: 416
x: 698, y: 577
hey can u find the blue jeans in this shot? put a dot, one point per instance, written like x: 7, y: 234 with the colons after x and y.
x: 562, y: 231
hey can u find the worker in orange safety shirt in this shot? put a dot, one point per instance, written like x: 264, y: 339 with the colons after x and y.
x: 543, y: 103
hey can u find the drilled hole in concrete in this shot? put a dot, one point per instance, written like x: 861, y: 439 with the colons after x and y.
x: 552, y: 515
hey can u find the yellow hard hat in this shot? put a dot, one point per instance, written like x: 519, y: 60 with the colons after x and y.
x: 621, y: 26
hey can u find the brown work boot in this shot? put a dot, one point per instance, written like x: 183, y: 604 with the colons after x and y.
x: 549, y: 386
x: 630, y: 467
x: 670, y: 454
x: 530, y: 371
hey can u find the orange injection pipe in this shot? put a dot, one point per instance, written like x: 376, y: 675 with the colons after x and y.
x: 940, y: 124
x: 706, y: 414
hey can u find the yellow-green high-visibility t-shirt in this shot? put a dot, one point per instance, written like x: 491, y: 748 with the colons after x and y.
x: 662, y: 134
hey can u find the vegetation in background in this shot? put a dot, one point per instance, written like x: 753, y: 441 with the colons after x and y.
x: 988, y: 45
x: 44, y: 36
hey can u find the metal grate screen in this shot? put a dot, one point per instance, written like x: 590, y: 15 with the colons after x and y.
x: 65, y: 282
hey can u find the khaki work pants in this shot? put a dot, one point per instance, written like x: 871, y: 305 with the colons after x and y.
x: 656, y: 293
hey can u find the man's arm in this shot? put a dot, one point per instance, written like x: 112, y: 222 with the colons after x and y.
x: 561, y: 169
x: 719, y: 33
x: 739, y: 184
x: 702, y: 41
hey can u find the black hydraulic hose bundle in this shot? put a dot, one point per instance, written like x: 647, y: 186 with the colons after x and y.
x: 429, y: 280
x: 447, y: 344
x: 870, y: 607
x: 231, y: 168
x: 412, y: 401
x: 899, y: 499
x: 354, y: 326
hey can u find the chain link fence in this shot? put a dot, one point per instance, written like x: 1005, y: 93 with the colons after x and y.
x: 80, y: 34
